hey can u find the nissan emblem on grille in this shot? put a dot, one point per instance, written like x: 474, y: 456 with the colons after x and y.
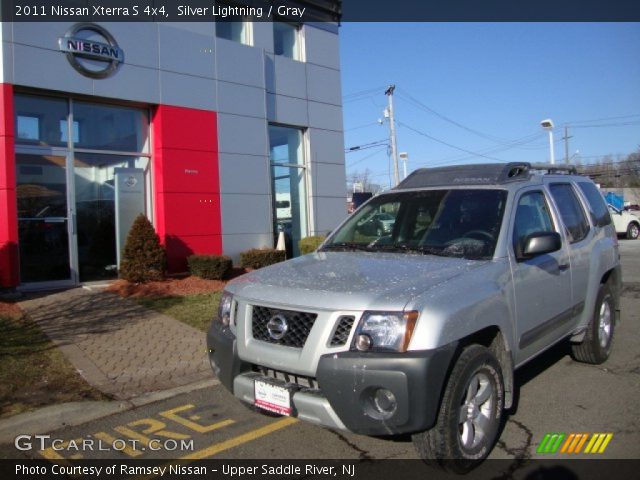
x: 277, y: 326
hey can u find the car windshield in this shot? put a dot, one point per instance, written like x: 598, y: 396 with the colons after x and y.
x: 462, y: 223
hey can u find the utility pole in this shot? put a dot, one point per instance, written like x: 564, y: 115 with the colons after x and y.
x: 392, y: 133
x: 566, y: 143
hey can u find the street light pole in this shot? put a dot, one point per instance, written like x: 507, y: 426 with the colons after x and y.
x: 404, y: 156
x: 392, y: 134
x: 548, y: 126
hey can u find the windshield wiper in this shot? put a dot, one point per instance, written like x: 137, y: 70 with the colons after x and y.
x: 403, y: 247
x: 346, y: 246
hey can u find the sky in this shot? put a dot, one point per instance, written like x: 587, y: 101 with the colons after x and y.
x: 483, y: 87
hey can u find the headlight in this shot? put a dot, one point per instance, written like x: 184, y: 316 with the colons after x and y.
x: 224, y: 309
x: 390, y: 331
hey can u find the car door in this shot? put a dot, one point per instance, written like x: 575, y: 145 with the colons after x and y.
x: 542, y: 284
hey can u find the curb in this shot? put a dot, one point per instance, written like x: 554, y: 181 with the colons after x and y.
x: 54, y: 417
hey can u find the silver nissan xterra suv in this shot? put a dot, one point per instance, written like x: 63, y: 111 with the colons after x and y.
x: 418, y: 328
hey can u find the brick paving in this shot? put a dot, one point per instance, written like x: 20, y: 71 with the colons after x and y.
x: 119, y: 347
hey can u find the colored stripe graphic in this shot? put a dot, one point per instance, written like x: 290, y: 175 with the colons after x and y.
x: 598, y: 442
x: 573, y: 443
x: 551, y: 442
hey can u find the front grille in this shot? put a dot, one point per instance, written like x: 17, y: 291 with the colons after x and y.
x: 342, y: 331
x: 298, y: 326
x: 300, y: 380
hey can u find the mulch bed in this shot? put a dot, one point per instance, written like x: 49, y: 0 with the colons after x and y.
x: 171, y: 287
x: 9, y: 309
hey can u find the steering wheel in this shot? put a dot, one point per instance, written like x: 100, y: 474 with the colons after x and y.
x: 479, y: 234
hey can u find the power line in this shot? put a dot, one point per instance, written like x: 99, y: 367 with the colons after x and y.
x: 475, y: 154
x: 417, y: 103
x: 363, y: 92
x: 362, y: 126
x: 604, y: 119
x: 619, y: 124
x: 366, y: 157
x: 366, y: 145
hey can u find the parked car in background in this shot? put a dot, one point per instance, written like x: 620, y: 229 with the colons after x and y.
x: 626, y: 223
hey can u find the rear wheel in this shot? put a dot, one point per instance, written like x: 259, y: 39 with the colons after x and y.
x: 596, y: 346
x: 470, y: 413
x: 633, y: 231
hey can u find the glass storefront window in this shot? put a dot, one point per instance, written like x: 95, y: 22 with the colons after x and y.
x: 39, y: 120
x: 286, y: 40
x: 288, y: 178
x: 106, y: 127
x: 42, y: 217
x: 69, y: 156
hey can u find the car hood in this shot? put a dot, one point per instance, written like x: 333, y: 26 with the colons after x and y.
x: 349, y: 280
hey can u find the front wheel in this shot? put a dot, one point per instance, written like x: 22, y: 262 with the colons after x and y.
x: 633, y: 231
x: 595, y: 348
x: 470, y: 414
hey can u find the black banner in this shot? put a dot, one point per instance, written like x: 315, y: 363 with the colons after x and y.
x: 321, y: 10
x: 524, y: 468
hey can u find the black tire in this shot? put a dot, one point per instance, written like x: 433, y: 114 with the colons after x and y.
x: 633, y: 231
x: 444, y: 444
x: 596, y: 346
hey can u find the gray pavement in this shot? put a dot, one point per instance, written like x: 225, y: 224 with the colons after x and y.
x: 119, y: 347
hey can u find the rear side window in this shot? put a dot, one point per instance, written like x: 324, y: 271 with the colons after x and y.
x: 597, y: 204
x: 571, y: 211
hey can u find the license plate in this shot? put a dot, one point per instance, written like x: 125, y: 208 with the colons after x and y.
x: 273, y: 398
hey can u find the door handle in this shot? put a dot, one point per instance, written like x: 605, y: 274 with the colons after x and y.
x: 564, y: 267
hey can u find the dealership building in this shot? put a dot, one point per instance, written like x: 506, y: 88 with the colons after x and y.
x: 222, y: 134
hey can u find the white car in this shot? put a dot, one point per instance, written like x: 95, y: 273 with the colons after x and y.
x: 626, y: 223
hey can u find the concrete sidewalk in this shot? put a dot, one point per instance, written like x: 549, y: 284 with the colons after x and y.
x: 119, y: 347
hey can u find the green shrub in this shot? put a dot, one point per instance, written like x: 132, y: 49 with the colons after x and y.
x: 309, y: 244
x: 211, y: 267
x: 143, y: 258
x: 261, y: 257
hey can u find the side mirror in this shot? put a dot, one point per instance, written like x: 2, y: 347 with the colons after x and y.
x: 539, y: 244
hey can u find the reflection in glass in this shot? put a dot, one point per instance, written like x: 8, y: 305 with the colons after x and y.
x: 40, y: 120
x: 288, y: 185
x: 106, y: 127
x: 285, y: 40
x: 42, y: 218
x: 233, y: 30
x: 95, y: 212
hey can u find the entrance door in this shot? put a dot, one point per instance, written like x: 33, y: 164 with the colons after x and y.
x: 95, y: 206
x: 43, y: 219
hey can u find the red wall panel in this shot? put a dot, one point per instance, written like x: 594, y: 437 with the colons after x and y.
x: 190, y: 171
x: 9, y: 268
x: 186, y: 183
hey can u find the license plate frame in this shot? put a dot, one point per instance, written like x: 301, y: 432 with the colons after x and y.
x: 273, y: 397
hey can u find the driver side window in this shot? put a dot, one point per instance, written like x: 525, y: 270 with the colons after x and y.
x: 532, y: 216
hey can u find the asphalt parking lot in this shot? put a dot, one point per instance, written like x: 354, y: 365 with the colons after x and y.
x: 554, y: 395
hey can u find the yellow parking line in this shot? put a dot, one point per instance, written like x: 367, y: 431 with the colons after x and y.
x: 239, y: 440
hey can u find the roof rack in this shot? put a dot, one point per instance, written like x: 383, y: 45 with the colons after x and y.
x: 473, y: 174
x: 552, y: 168
x: 479, y: 174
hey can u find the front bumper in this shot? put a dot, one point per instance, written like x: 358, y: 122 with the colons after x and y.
x: 348, y: 383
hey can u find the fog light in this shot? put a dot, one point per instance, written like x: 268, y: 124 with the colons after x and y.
x: 385, y: 401
x: 363, y: 343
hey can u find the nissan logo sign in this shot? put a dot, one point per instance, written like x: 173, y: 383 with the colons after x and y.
x: 92, y: 57
x: 277, y: 326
